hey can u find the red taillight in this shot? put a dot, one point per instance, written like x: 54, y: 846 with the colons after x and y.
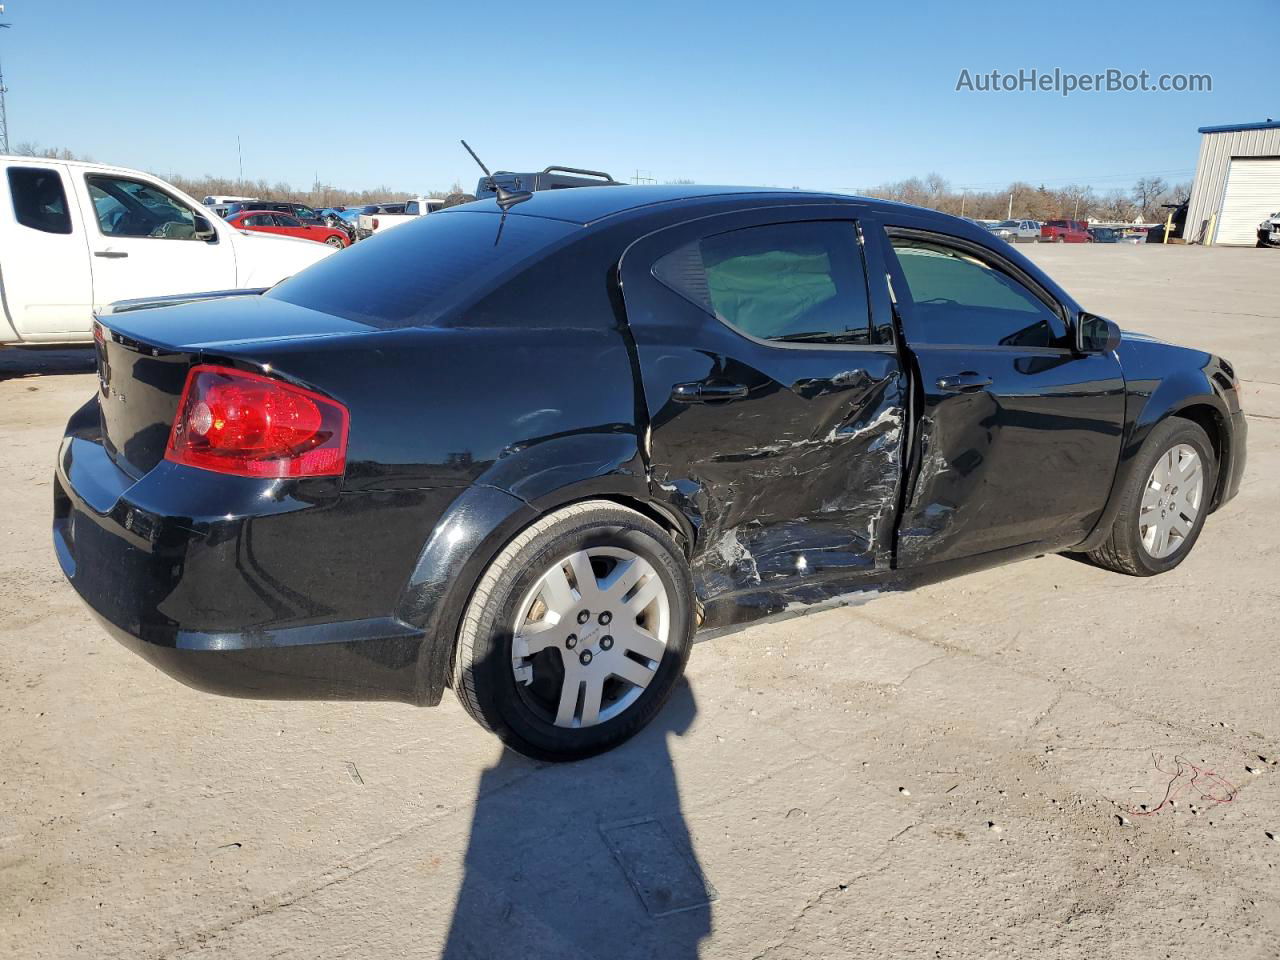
x: 249, y: 425
x: 375, y: 223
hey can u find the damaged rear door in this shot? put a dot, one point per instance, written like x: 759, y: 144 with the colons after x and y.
x: 775, y: 401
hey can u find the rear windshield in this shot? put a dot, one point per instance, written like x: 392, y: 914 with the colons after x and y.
x: 412, y: 275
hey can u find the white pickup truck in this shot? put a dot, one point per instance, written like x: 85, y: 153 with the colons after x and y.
x: 371, y: 223
x: 76, y: 236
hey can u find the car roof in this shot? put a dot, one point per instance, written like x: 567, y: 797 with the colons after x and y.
x: 586, y: 205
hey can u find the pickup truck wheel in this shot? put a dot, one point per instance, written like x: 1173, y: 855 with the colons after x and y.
x: 1164, y: 503
x: 577, y: 632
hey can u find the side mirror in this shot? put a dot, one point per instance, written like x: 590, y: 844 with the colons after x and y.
x: 204, y: 230
x: 1096, y: 334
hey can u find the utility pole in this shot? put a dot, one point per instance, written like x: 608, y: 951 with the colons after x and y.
x: 240, y: 157
x: 1009, y: 215
x: 4, y: 114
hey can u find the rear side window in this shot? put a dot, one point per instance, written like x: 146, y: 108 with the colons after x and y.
x: 412, y: 275
x: 39, y: 199
x: 799, y: 282
x: 959, y: 298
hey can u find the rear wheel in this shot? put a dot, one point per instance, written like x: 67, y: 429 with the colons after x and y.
x: 1164, y: 503
x: 577, y: 632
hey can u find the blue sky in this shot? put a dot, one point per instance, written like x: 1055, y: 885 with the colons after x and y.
x: 807, y: 93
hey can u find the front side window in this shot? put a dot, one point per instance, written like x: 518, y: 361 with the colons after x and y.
x: 39, y: 199
x: 960, y: 298
x: 801, y: 282
x: 130, y: 208
x: 284, y: 220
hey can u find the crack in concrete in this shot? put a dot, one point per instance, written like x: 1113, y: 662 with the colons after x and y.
x: 835, y: 890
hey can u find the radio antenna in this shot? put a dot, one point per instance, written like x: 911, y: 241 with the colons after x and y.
x: 506, y: 198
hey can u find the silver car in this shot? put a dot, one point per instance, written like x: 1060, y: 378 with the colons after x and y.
x: 1017, y: 231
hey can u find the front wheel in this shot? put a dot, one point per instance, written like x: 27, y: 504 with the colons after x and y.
x: 335, y: 242
x: 577, y: 632
x: 1164, y: 503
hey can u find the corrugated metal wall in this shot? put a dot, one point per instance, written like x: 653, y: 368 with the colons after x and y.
x: 1216, y: 151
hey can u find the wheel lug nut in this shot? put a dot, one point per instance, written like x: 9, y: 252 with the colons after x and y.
x: 571, y: 641
x: 584, y: 616
x: 585, y: 657
x: 606, y: 617
x: 606, y: 642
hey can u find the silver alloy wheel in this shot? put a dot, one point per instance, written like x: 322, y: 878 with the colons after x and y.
x: 606, y: 611
x: 1171, y: 501
x: 335, y: 242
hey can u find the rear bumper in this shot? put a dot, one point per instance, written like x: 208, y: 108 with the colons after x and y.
x: 221, y: 603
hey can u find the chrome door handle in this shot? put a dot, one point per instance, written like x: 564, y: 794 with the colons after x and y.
x: 110, y: 254
x: 967, y: 382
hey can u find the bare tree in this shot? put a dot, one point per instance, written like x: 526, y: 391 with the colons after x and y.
x: 1148, y: 194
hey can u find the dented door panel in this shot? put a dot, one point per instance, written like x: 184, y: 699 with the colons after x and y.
x: 793, y: 487
x: 1028, y: 460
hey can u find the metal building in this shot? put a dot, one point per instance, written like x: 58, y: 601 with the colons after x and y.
x: 1238, y: 179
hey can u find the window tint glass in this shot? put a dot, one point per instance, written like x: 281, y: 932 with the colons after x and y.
x: 129, y: 208
x: 961, y: 299
x: 39, y: 199
x: 417, y: 272
x: 802, y: 282
x: 284, y: 220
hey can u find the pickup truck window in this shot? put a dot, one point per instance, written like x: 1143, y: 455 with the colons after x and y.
x: 959, y: 298
x: 39, y: 199
x: 801, y: 282
x: 411, y: 207
x: 131, y: 208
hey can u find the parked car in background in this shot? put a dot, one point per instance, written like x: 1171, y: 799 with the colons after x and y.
x: 1017, y: 231
x: 76, y: 236
x: 386, y: 217
x: 394, y: 496
x: 1065, y: 231
x: 221, y: 205
x: 1269, y: 231
x: 333, y: 217
x: 300, y: 210
x: 1105, y: 235
x: 550, y: 178
x: 284, y: 225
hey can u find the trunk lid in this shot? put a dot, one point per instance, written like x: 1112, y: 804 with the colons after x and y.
x: 144, y: 357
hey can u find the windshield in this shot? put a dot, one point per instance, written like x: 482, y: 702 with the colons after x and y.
x: 410, y: 276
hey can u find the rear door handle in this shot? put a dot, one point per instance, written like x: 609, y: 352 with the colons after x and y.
x: 110, y: 254
x: 703, y: 392
x: 967, y: 382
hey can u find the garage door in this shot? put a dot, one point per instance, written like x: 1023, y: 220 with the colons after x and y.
x: 1253, y: 193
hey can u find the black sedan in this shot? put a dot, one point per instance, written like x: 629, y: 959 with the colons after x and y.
x: 525, y: 450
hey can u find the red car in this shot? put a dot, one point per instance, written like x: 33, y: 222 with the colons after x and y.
x: 1065, y: 231
x: 265, y: 221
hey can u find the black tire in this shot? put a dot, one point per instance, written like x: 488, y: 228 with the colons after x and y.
x: 482, y: 677
x: 335, y: 242
x: 1123, y: 551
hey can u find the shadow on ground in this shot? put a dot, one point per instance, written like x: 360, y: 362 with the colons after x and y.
x: 18, y: 362
x: 590, y: 859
